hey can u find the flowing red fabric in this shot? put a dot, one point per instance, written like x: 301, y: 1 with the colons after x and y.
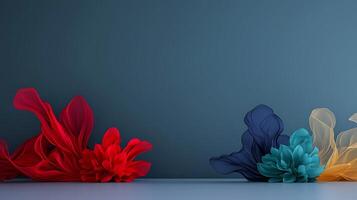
x: 59, y: 152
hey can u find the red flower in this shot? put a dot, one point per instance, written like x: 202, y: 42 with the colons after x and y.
x: 54, y: 154
x: 109, y: 162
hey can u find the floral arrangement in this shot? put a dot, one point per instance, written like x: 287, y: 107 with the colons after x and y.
x: 267, y: 155
x: 60, y: 151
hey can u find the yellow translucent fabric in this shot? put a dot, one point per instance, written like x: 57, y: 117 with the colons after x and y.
x: 340, y: 156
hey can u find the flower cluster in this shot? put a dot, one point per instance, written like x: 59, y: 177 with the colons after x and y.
x: 109, y: 162
x: 298, y: 162
x: 60, y: 151
x: 267, y: 155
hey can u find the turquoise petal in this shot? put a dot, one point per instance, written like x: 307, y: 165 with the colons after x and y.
x: 315, y: 151
x: 289, y: 178
x: 267, y: 170
x: 314, y: 172
x: 301, y: 137
x: 298, y: 154
x: 285, y: 154
x: 274, y: 152
x: 302, y: 170
x: 268, y: 158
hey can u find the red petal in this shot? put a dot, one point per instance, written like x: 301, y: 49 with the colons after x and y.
x: 120, y: 159
x: 107, y: 165
x: 77, y: 119
x: 42, y: 146
x: 112, y: 151
x: 98, y: 151
x: 26, y: 155
x: 136, y: 147
x: 111, y: 137
x: 28, y: 99
x: 44, y: 171
x: 106, y: 178
x: 134, y: 170
x: 142, y: 167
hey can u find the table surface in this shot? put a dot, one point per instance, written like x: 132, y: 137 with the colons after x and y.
x: 171, y: 189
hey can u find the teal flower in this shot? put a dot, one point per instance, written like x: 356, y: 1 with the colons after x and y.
x: 298, y: 162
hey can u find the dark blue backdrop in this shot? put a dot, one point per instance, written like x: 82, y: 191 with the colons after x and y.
x: 181, y: 74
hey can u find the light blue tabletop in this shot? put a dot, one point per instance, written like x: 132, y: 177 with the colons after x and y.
x: 171, y: 189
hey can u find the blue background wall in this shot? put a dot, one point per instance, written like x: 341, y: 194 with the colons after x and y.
x: 181, y: 74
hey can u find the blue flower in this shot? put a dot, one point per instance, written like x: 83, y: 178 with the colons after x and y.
x: 298, y: 162
x: 264, y: 132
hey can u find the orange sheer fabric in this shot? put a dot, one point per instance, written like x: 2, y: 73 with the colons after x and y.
x: 339, y: 156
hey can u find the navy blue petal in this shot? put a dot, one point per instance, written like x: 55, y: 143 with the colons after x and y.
x: 241, y: 161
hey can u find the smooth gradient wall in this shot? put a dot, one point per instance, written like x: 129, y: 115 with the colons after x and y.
x: 181, y: 74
